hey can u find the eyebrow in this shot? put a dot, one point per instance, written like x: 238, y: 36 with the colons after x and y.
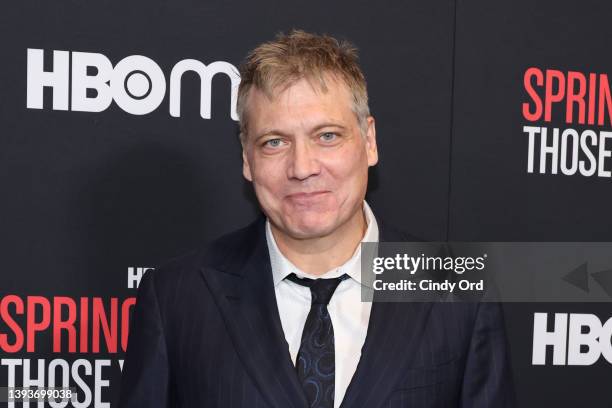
x: 279, y: 132
x: 330, y: 124
x: 268, y: 132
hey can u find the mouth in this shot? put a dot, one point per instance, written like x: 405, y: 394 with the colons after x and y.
x: 306, y: 197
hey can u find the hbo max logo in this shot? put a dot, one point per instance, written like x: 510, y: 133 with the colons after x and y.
x: 136, y: 83
x: 575, y: 339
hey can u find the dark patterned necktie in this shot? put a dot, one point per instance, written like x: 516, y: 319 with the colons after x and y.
x: 316, y: 365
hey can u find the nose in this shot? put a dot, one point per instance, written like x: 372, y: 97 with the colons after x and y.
x: 304, y: 161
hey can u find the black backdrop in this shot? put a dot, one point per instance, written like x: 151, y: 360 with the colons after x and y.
x: 88, y: 197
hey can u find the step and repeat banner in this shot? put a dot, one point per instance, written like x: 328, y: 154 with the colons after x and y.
x: 531, y: 161
x: 119, y: 149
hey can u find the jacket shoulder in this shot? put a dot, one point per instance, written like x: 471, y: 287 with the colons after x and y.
x: 219, y: 254
x: 389, y: 233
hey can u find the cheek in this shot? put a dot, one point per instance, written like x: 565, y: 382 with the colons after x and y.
x: 350, y: 168
x: 268, y: 175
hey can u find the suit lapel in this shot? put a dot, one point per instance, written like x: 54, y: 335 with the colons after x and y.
x: 245, y: 295
x: 241, y: 281
x: 391, y: 341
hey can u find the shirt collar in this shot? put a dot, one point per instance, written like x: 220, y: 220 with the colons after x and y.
x: 281, y: 266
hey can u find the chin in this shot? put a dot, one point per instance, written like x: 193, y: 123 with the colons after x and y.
x: 304, y: 230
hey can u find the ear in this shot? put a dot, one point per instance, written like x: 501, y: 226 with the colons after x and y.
x: 246, y: 169
x: 370, y: 138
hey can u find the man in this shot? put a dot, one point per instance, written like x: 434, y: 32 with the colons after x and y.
x: 271, y: 315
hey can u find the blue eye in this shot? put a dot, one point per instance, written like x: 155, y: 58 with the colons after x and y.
x: 328, y: 136
x: 273, y: 143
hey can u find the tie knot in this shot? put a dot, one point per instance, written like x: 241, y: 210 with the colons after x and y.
x: 320, y: 289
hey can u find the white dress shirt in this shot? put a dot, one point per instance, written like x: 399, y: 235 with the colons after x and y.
x: 349, y: 315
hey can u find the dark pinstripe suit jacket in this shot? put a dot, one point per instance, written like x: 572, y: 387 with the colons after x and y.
x: 206, y: 332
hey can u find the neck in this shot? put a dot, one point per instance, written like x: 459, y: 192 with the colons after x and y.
x: 316, y: 256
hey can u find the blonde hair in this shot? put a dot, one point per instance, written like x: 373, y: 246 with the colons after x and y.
x: 273, y: 66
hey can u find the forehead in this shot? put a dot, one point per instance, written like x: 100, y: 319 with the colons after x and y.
x: 301, y: 104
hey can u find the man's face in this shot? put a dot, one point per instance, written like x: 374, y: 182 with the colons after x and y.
x: 307, y: 158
